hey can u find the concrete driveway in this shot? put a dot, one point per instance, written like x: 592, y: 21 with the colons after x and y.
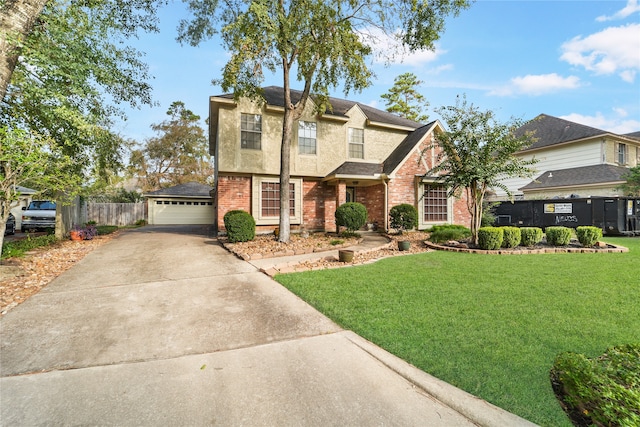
x: 162, y: 326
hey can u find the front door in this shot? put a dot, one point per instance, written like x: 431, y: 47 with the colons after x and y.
x: 351, y: 194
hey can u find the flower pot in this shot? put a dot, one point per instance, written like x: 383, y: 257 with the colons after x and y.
x: 404, y: 245
x: 76, y: 235
x: 345, y: 255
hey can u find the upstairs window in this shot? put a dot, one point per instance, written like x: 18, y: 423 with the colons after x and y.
x: 306, y: 137
x: 356, y: 143
x: 251, y: 131
x: 622, y: 154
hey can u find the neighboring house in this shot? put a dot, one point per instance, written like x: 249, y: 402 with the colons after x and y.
x: 573, y: 160
x: 189, y: 203
x: 351, y: 152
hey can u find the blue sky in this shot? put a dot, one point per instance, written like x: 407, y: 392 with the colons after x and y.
x: 579, y: 60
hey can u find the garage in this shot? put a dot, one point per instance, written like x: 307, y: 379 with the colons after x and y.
x: 188, y: 204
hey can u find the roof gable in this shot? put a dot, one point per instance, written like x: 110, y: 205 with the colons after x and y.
x: 403, y: 150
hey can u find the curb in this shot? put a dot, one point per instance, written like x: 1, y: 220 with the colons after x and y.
x: 475, y: 409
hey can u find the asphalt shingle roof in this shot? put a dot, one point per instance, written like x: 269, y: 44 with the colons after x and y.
x: 404, y: 148
x: 274, y: 95
x: 549, y: 130
x: 596, y: 174
x: 357, y: 169
x: 189, y: 189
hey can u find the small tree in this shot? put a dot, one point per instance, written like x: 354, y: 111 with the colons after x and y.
x: 632, y: 186
x: 477, y: 155
x: 27, y: 159
x: 404, y: 99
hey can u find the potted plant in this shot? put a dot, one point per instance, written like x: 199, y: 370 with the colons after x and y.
x: 403, y: 217
x: 345, y: 255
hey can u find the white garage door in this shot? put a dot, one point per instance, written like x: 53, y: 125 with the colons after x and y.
x: 181, y: 211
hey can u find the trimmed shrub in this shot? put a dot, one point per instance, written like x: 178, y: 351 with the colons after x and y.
x: 403, y: 217
x: 444, y: 233
x: 351, y: 215
x: 530, y: 236
x: 602, y: 391
x: 240, y: 225
x: 588, y: 235
x: 558, y: 236
x: 511, y: 237
x: 490, y: 238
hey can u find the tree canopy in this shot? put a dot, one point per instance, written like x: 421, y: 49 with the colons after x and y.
x: 477, y: 154
x: 325, y: 43
x: 632, y: 186
x: 73, y: 70
x: 404, y: 99
x: 178, y: 154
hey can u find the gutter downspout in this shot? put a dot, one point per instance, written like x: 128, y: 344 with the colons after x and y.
x: 383, y: 178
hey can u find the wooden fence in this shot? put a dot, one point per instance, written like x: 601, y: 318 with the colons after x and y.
x: 116, y: 213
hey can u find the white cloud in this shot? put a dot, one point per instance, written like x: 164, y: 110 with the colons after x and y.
x: 615, y: 124
x: 631, y: 8
x: 537, y: 85
x: 389, y: 50
x: 613, y: 50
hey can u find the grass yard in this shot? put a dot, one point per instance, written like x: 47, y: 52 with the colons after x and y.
x: 489, y: 324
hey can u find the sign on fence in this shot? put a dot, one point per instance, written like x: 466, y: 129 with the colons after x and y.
x: 116, y: 213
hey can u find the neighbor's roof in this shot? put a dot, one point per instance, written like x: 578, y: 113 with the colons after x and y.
x: 549, y: 130
x: 586, y: 175
x: 189, y: 189
x: 274, y: 96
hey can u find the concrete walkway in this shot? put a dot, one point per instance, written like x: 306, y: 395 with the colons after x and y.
x: 162, y: 326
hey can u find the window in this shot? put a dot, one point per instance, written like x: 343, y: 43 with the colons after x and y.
x: 306, y: 137
x: 270, y: 199
x: 251, y: 131
x: 435, y: 203
x: 356, y: 143
x: 622, y: 154
x: 265, y: 191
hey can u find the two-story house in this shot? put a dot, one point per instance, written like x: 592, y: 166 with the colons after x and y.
x: 350, y: 152
x: 573, y: 159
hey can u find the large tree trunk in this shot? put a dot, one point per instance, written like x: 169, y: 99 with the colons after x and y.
x: 16, y: 22
x: 285, y: 170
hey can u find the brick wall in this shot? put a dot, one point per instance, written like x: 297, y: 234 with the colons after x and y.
x: 234, y: 192
x: 373, y: 199
x: 313, y: 209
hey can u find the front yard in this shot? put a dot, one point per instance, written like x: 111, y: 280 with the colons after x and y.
x: 489, y: 324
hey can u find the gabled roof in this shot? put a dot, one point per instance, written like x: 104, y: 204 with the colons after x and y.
x: 549, y: 130
x: 189, y: 189
x: 274, y: 96
x: 586, y: 175
x: 404, y: 148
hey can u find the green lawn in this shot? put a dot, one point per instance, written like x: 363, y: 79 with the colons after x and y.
x: 489, y: 324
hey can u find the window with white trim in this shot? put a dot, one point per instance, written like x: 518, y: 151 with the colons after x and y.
x: 251, y: 131
x: 306, y: 137
x: 356, y: 143
x: 435, y: 204
x: 266, y: 195
x: 622, y: 154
